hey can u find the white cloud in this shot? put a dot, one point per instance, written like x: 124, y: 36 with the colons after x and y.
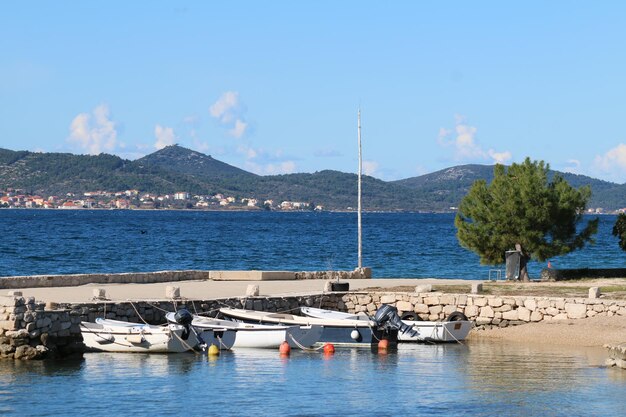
x: 95, y: 132
x: 370, y: 168
x: 465, y: 146
x: 499, y: 157
x: 263, y: 162
x: 614, y: 158
x: 239, y: 129
x: 225, y: 107
x: 611, y: 165
x: 228, y: 111
x: 165, y: 136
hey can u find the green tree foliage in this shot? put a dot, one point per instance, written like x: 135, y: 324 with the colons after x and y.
x: 619, y: 230
x: 522, y: 207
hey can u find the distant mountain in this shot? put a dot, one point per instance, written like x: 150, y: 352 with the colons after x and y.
x: 185, y: 161
x: 175, y: 168
x: 448, y: 186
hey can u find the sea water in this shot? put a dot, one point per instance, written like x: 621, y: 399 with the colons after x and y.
x: 472, y: 379
x: 395, y: 245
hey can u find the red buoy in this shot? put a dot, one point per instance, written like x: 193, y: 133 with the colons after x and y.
x: 329, y: 348
x: 383, y: 344
x: 284, y: 348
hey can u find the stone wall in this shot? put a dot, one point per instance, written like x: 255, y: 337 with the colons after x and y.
x: 28, y: 331
x: 31, y: 330
x: 38, y: 281
x: 485, y: 310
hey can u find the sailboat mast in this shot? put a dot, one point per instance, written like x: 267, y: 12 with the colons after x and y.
x: 360, y: 257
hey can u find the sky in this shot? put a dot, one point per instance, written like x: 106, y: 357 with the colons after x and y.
x: 274, y: 87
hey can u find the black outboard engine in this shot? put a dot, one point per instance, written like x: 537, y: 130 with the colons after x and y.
x: 388, y: 316
x: 184, y: 318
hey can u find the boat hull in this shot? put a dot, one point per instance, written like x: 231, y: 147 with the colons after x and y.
x: 117, y: 336
x: 339, y: 332
x: 259, y: 335
x: 423, y: 331
x: 436, y: 331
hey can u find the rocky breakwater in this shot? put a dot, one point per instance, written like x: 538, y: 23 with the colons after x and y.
x: 30, y: 331
x: 617, y: 355
x: 485, y: 310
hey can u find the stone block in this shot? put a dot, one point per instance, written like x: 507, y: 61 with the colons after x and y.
x: 523, y: 314
x: 9, y: 324
x: 510, y: 315
x: 477, y: 288
x: 435, y: 310
x: 536, y: 316
x: 172, y: 292
x: 576, y: 311
x: 448, y: 299
x: 388, y: 299
x: 421, y: 309
x: 480, y: 301
x: 471, y: 311
x: 481, y: 321
x: 503, y: 308
x: 486, y: 311
x: 496, y: 302
x: 449, y: 309
x: 530, y: 304
x: 423, y: 288
x: 594, y: 292
x: 252, y: 275
x: 404, y: 306
x: 552, y: 311
x: 431, y: 301
x: 252, y: 290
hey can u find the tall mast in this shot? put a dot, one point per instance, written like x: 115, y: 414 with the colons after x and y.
x: 359, y: 193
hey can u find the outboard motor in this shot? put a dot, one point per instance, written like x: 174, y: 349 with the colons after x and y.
x: 184, y: 318
x: 388, y: 316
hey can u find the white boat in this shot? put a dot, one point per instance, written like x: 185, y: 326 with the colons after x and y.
x: 249, y: 335
x: 454, y: 329
x: 107, y: 335
x: 340, y: 332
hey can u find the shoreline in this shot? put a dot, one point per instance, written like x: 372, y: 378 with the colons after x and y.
x: 583, y: 332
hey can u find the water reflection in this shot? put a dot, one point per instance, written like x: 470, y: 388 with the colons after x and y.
x: 479, y: 378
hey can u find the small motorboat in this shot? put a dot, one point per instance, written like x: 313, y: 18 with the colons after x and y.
x: 455, y: 328
x: 107, y: 335
x: 338, y: 331
x: 250, y: 335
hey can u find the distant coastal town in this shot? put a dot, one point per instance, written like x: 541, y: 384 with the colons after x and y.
x: 134, y: 199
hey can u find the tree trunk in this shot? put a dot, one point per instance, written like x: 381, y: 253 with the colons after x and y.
x: 523, y: 270
x: 523, y: 262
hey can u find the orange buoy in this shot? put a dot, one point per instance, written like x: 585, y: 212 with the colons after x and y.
x: 383, y: 344
x: 284, y: 348
x: 329, y: 348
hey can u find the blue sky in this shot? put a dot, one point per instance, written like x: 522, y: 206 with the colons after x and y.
x: 273, y: 87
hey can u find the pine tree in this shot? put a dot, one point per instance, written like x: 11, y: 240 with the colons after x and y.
x: 522, y: 209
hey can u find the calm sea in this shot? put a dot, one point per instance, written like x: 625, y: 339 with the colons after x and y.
x: 473, y: 379
x: 476, y: 379
x: 398, y: 245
